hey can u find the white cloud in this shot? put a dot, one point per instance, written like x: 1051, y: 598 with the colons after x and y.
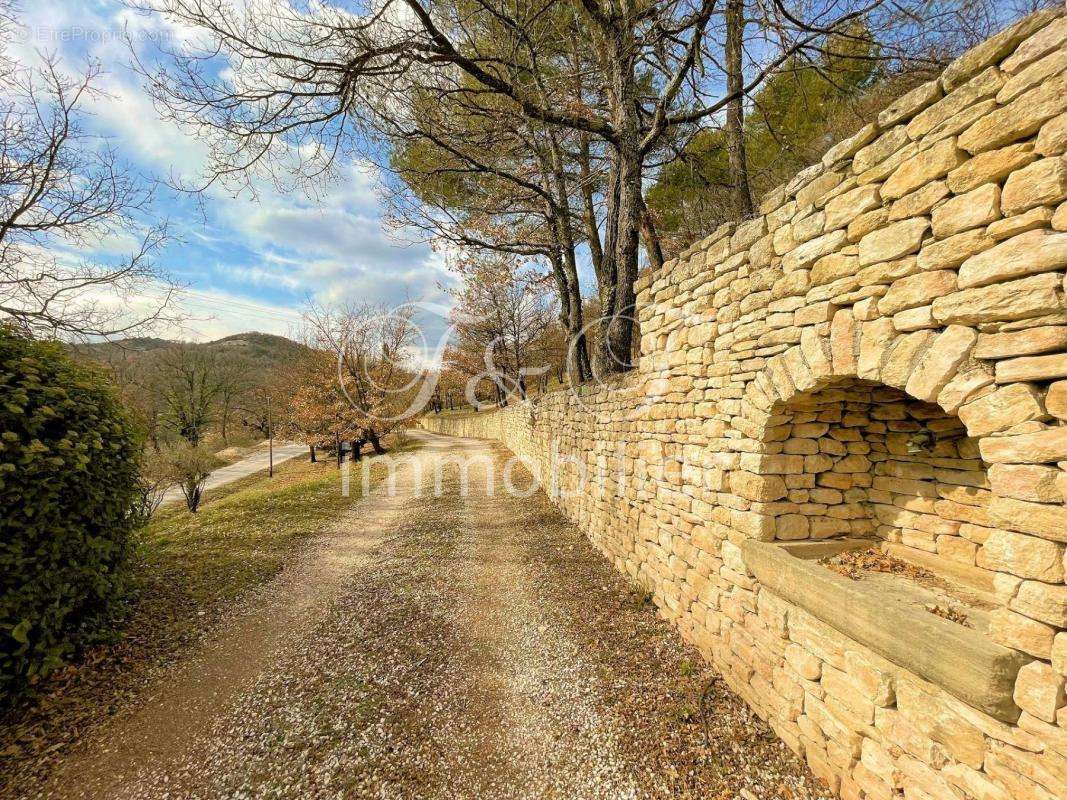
x: 214, y: 314
x: 275, y: 243
x: 128, y: 115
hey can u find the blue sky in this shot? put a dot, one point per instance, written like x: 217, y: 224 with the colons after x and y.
x: 249, y: 263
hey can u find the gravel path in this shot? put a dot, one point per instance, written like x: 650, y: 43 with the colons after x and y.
x: 441, y: 647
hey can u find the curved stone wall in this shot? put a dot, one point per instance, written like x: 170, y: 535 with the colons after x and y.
x: 880, y: 355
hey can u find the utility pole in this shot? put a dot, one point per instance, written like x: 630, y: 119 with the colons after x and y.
x: 270, y: 439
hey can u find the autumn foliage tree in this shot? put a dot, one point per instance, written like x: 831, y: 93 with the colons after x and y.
x: 372, y: 349
x: 315, y: 410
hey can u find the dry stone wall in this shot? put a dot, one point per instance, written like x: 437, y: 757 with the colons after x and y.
x: 881, y: 354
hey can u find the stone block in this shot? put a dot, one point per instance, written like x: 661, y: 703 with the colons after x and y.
x: 907, y: 106
x: 917, y: 290
x: 974, y: 209
x: 843, y: 342
x: 1041, y: 447
x: 919, y: 202
x: 805, y: 255
x: 1042, y: 601
x: 1034, y: 296
x: 939, y: 364
x: 951, y: 252
x: 1052, y: 140
x: 903, y: 356
x: 844, y: 208
x: 893, y: 242
x: 763, y: 488
x: 994, y: 49
x: 1022, y: 555
x: 990, y: 167
x: 874, y: 677
x: 1046, y: 521
x: 1026, y: 254
x: 1039, y: 690
x: 974, y: 784
x: 1021, y: 633
x: 816, y: 352
x: 850, y: 146
x: 925, y: 166
x: 748, y: 233
x: 1021, y: 118
x: 984, y: 85
x: 968, y: 383
x: 1026, y: 482
x: 1032, y: 368
x: 875, y: 338
x: 1056, y: 400
x: 1032, y: 75
x: 814, y: 192
x: 865, y: 223
x: 1034, y: 219
x: 891, y: 142
x: 1031, y: 341
x: 915, y: 319
x: 1043, y: 183
x: 1048, y: 39
x: 1001, y: 409
x: 804, y: 663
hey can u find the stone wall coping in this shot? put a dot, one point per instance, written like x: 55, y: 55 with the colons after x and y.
x: 962, y: 661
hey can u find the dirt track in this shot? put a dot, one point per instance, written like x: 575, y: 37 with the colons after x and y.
x: 453, y: 647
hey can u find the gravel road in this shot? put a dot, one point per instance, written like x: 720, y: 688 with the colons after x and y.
x: 458, y: 646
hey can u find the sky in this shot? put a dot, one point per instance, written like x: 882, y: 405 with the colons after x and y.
x: 247, y: 263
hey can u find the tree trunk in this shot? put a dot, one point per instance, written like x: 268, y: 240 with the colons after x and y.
x: 565, y: 265
x: 735, y: 109
x: 357, y: 449
x: 375, y: 442
x: 313, y: 459
x: 621, y: 256
x: 653, y: 247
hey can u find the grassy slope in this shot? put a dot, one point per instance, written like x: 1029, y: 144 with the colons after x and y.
x: 240, y: 537
x: 186, y: 570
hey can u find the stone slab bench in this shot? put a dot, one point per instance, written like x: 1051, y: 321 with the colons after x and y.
x: 962, y: 661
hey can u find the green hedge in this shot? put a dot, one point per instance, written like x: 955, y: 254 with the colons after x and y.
x: 68, y: 484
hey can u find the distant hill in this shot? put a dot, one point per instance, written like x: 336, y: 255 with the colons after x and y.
x: 260, y: 347
x: 263, y: 351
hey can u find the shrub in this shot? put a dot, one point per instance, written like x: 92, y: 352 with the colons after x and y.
x: 189, y: 468
x: 68, y: 485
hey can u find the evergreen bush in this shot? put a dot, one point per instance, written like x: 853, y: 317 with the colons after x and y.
x: 68, y: 493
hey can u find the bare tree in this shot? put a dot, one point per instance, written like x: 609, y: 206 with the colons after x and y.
x: 306, y: 84
x: 236, y: 383
x: 189, y: 381
x: 498, y: 321
x: 64, y: 191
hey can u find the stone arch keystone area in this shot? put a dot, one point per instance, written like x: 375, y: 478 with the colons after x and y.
x: 898, y: 309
